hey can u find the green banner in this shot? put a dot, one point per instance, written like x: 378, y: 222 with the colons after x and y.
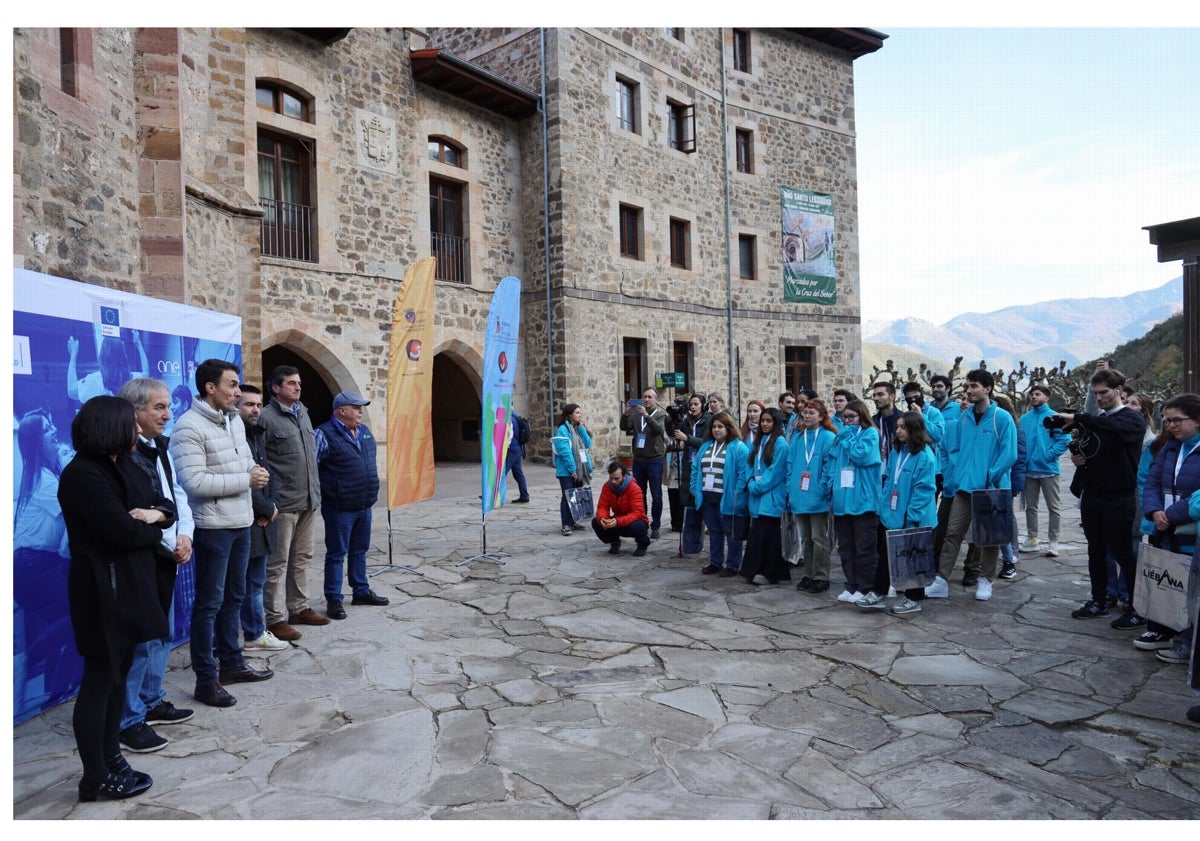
x: 809, y: 267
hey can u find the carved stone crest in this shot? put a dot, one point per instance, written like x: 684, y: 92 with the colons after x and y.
x: 376, y: 140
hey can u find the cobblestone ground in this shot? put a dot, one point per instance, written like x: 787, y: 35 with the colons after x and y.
x: 570, y: 683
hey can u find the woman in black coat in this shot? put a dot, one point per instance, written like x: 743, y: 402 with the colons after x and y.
x: 119, y: 583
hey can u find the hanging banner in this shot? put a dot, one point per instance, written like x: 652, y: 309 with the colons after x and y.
x: 410, y: 474
x: 71, y: 342
x: 499, y: 370
x: 809, y: 268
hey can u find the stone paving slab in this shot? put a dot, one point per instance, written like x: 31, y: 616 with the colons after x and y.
x: 568, y: 683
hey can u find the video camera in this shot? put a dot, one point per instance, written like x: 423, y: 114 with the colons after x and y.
x: 1055, y: 422
x: 676, y: 412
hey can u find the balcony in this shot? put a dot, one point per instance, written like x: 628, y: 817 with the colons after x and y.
x: 287, y: 230
x: 452, y: 255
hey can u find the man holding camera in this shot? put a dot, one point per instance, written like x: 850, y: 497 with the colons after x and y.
x: 646, y: 421
x: 1105, y: 455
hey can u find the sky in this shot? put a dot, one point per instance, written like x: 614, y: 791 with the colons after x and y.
x: 1002, y: 166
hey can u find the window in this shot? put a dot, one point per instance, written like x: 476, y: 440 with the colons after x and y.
x: 280, y: 100
x: 631, y: 231
x: 741, y: 50
x: 683, y: 355
x: 681, y: 126
x: 675, y: 32
x: 633, y: 369
x: 627, y: 105
x: 747, y: 262
x: 797, y: 368
x: 447, y: 152
x: 681, y: 244
x: 284, y: 167
x: 446, y: 232
x: 744, y: 145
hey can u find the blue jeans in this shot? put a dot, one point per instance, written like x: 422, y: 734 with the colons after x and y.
x: 143, y: 685
x: 512, y: 462
x: 723, y: 550
x: 648, y: 474
x: 254, y: 621
x: 346, y: 532
x: 220, y: 556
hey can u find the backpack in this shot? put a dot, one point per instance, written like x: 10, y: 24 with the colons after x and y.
x: 523, y: 429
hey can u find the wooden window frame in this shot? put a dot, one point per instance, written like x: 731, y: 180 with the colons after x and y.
x: 798, y: 371
x: 629, y: 224
x: 278, y: 92
x: 751, y: 241
x: 627, y: 105
x: 445, y: 145
x: 277, y: 229
x: 681, y: 243
x: 681, y: 126
x: 452, y: 249
x: 743, y: 142
x: 741, y: 50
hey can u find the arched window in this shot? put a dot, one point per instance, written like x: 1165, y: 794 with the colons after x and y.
x: 447, y: 152
x: 281, y: 99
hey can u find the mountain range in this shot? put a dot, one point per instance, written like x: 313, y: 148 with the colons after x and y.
x: 1070, y: 329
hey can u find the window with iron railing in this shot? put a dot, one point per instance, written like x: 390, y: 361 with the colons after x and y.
x: 283, y: 179
x: 446, y: 240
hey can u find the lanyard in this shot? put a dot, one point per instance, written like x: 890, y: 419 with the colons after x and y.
x: 808, y: 453
x: 900, y: 462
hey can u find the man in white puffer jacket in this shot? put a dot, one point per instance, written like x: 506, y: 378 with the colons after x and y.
x: 213, y: 462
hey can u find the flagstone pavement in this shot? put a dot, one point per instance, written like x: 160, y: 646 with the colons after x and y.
x: 570, y: 683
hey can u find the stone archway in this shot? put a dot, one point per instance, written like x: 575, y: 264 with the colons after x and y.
x: 322, y: 374
x: 456, y: 405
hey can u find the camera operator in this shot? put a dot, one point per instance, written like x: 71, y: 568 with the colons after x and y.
x: 645, y: 420
x: 1105, y: 455
x: 676, y: 412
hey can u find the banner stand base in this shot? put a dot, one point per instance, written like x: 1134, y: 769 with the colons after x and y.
x: 493, y: 557
x: 380, y: 569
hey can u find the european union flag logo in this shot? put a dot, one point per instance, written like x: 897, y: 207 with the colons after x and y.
x: 110, y: 321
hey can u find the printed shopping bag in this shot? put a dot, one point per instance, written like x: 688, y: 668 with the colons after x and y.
x: 910, y: 558
x: 1160, y: 586
x: 992, y: 516
x: 579, y: 502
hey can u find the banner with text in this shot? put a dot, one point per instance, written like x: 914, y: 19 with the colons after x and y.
x: 809, y: 268
x: 499, y: 371
x: 410, y: 474
x: 71, y: 342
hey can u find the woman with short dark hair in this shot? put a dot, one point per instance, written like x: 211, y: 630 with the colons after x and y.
x: 119, y: 583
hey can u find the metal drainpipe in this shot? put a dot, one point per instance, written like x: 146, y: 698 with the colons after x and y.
x: 735, y: 400
x: 546, y: 233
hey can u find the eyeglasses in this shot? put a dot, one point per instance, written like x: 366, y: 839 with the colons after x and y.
x: 1174, y: 421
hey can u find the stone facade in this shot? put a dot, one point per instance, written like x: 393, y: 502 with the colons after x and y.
x: 145, y: 178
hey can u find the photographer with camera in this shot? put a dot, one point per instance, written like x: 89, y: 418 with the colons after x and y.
x: 676, y: 411
x: 1105, y: 454
x: 646, y: 422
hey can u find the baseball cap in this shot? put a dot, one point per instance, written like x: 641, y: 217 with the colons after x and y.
x: 348, y: 398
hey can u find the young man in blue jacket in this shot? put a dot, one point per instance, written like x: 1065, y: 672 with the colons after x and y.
x: 1043, y: 449
x: 981, y: 456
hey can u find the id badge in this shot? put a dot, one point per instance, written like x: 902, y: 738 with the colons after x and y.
x: 895, y: 499
x: 639, y: 441
x: 1168, y: 500
x: 805, y: 478
x: 847, y: 477
x: 710, y: 482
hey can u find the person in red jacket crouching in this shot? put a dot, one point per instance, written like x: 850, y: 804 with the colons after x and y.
x: 621, y: 512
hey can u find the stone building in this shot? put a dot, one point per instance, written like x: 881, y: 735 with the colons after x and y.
x: 291, y: 176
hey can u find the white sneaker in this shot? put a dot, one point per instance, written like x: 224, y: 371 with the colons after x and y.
x: 983, y: 590
x: 1052, y: 549
x: 267, y: 642
x: 939, y: 589
x: 872, y: 601
x: 848, y: 597
x: 1029, y: 544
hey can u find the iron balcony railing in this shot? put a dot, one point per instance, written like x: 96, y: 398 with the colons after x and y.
x: 452, y: 257
x: 287, y: 230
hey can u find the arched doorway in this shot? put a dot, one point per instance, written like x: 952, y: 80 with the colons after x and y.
x: 314, y: 392
x: 456, y: 410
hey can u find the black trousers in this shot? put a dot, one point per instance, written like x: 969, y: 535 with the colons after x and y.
x: 1107, y: 523
x: 96, y: 718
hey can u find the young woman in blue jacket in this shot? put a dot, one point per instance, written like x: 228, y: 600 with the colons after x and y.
x: 808, y: 494
x: 767, y: 499
x: 572, y: 460
x: 855, y: 486
x: 718, y: 491
x: 907, y: 502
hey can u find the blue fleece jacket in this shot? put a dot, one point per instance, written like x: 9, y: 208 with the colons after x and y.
x: 811, y: 453
x: 1162, y: 481
x: 768, y: 482
x: 857, y: 450
x: 1043, y: 447
x: 912, y: 478
x: 733, y: 481
x: 564, y: 458
x: 950, y: 416
x: 985, y: 450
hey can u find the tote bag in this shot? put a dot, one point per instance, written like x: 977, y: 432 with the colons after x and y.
x: 992, y: 516
x: 579, y: 502
x: 1161, y: 585
x: 789, y: 538
x: 910, y: 558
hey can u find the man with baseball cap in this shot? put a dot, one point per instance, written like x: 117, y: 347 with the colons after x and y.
x: 349, y: 487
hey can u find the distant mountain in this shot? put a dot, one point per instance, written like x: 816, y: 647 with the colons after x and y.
x: 1070, y: 329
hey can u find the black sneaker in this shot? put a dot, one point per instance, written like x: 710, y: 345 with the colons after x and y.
x: 654, y: 534
x: 141, y: 738
x: 819, y: 587
x: 167, y: 713
x: 1110, y: 601
x: 1008, y: 571
x: 1193, y: 714
x: 1091, y: 610
x: 639, y: 551
x: 970, y: 579
x: 1128, y: 621
x: 804, y: 583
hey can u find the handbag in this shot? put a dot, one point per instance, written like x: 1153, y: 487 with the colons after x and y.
x: 1161, y: 585
x: 992, y: 516
x: 579, y: 503
x: 910, y: 558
